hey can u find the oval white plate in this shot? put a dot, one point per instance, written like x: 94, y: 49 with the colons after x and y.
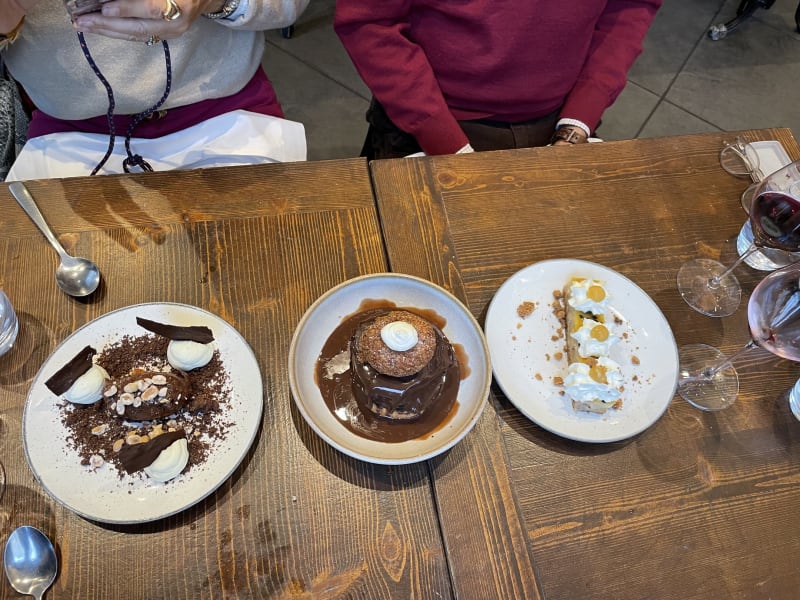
x: 330, y: 310
x: 524, y: 354
x: 102, y: 495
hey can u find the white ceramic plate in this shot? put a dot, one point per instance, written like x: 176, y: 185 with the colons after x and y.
x: 524, y: 354
x: 330, y: 310
x: 102, y: 495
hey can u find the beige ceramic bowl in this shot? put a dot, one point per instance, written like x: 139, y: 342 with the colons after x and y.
x: 405, y: 291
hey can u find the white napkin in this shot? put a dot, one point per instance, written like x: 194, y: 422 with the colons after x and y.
x: 235, y: 138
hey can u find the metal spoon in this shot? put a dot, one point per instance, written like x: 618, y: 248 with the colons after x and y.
x: 75, y: 276
x: 30, y: 561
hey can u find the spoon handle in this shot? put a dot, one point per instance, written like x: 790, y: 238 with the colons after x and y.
x: 28, y: 204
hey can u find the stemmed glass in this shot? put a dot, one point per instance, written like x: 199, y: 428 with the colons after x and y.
x: 710, y: 287
x: 9, y: 328
x: 708, y: 379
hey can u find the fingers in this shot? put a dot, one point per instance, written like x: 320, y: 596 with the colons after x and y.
x: 136, y: 20
x: 134, y: 9
x: 132, y: 30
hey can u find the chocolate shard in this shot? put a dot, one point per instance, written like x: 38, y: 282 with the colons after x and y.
x: 196, y: 333
x: 138, y: 456
x: 63, y: 379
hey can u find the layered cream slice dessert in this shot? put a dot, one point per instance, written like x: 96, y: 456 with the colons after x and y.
x: 593, y: 381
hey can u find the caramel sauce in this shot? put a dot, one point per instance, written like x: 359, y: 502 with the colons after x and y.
x: 340, y: 399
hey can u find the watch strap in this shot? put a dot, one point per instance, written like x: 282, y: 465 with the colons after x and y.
x: 569, y: 135
x: 226, y: 11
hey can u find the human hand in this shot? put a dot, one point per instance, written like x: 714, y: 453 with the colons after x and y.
x: 569, y: 135
x: 11, y: 13
x: 144, y: 20
x: 24, y: 5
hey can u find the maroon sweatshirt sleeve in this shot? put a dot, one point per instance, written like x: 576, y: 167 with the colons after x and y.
x: 616, y: 43
x: 397, y: 71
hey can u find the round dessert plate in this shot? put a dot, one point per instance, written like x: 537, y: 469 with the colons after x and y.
x: 529, y: 353
x: 103, y: 495
x: 405, y: 291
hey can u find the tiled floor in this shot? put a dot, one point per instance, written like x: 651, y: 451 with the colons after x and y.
x: 682, y: 83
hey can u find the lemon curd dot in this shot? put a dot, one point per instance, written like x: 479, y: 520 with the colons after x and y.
x: 600, y: 333
x: 598, y: 373
x: 596, y: 293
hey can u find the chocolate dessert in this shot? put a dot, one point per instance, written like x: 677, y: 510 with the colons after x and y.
x: 148, y: 395
x: 384, y: 394
x: 400, y: 384
x: 146, y: 406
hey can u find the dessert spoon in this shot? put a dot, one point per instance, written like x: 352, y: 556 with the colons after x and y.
x: 30, y: 561
x: 75, y: 276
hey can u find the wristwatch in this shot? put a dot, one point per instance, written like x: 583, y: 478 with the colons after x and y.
x: 571, y: 135
x: 225, y: 12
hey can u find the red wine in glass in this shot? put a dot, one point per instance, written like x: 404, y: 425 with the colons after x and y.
x: 775, y: 219
x: 709, y: 287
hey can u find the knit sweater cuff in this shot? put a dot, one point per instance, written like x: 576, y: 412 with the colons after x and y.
x: 586, y: 104
x: 440, y: 134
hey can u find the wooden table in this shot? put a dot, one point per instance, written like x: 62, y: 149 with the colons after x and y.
x: 255, y: 245
x: 700, y: 505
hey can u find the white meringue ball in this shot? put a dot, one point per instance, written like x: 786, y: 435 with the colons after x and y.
x: 170, y: 462
x: 88, y: 388
x: 187, y: 355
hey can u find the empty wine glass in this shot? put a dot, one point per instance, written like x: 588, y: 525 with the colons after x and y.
x: 741, y: 159
x: 708, y: 379
x: 710, y: 287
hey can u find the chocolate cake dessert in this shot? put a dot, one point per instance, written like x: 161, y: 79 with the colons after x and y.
x: 144, y: 415
x: 389, y: 373
x: 400, y: 383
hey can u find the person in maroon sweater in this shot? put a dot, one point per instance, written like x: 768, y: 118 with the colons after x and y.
x: 451, y: 76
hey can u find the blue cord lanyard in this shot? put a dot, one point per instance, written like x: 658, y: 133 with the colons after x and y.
x: 132, y: 160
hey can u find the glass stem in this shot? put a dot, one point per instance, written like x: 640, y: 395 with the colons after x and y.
x: 709, y: 372
x: 715, y: 281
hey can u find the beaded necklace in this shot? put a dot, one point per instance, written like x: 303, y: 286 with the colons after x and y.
x: 132, y: 160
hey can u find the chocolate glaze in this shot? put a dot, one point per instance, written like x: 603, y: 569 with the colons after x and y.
x: 138, y: 456
x: 348, y: 399
x: 195, y: 333
x: 403, y: 398
x: 63, y: 379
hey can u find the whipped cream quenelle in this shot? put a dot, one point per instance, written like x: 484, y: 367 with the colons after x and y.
x: 170, y: 462
x: 587, y: 296
x: 186, y: 355
x: 88, y: 388
x: 594, y: 338
x: 602, y: 381
x: 399, y: 336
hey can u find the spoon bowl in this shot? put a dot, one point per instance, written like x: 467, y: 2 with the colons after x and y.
x: 30, y: 561
x: 75, y: 276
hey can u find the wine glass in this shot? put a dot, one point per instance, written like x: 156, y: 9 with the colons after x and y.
x: 710, y: 287
x: 708, y: 379
x: 9, y: 328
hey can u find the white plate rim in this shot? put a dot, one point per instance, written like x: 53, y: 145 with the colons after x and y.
x: 575, y: 267
x: 240, y: 435
x: 412, y: 453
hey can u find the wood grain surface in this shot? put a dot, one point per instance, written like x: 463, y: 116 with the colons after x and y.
x: 255, y: 245
x: 700, y: 505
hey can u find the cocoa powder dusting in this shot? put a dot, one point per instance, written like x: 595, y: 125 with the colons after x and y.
x: 96, y: 430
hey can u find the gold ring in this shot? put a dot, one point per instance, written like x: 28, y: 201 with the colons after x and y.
x: 171, y: 11
x: 153, y: 40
